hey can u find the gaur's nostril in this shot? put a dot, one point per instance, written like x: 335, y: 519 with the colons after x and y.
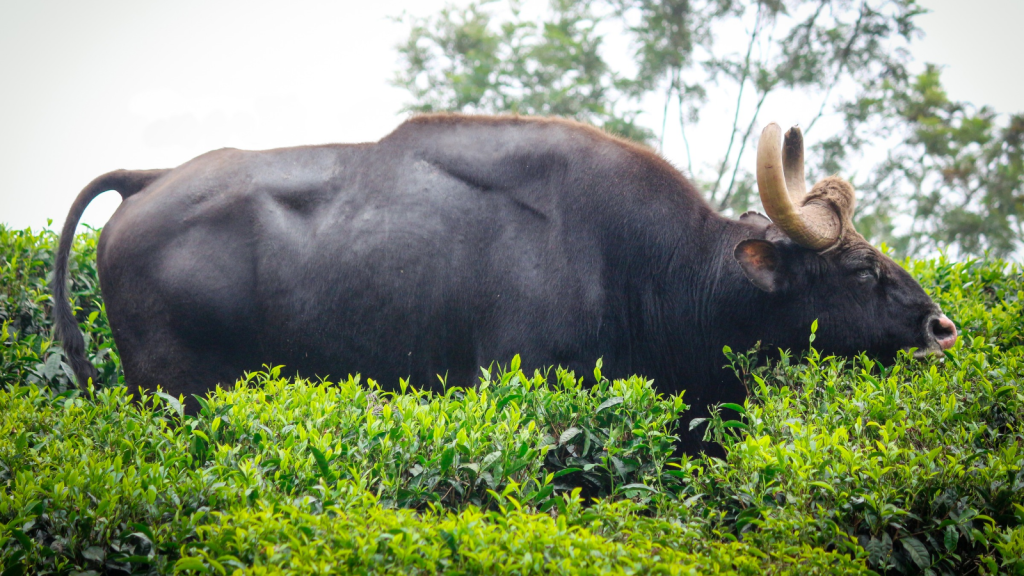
x: 943, y: 330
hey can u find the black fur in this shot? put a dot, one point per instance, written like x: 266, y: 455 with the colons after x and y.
x: 457, y: 241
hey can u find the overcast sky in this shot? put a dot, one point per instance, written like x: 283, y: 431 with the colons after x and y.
x: 89, y: 87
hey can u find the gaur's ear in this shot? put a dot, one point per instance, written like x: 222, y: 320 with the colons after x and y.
x: 755, y: 218
x: 762, y: 264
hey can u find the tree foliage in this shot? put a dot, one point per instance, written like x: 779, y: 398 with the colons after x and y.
x: 953, y: 167
x: 800, y: 46
x: 465, y: 59
x: 957, y: 172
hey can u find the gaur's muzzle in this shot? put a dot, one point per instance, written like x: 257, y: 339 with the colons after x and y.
x: 942, y: 330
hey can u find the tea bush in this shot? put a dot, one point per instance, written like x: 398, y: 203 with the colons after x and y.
x: 832, y: 465
x: 29, y: 354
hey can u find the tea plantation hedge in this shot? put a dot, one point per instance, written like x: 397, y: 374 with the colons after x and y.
x: 832, y: 466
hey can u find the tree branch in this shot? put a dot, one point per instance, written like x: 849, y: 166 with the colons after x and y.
x: 664, y: 113
x: 845, y: 57
x: 739, y: 100
x: 743, y: 146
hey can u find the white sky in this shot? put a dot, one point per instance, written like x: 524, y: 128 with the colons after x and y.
x: 89, y: 87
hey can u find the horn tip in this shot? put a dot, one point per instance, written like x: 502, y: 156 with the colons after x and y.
x: 771, y: 133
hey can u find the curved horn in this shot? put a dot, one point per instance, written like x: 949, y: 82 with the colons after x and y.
x: 793, y: 164
x: 815, y: 226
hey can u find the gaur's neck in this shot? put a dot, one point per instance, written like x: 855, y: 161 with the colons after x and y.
x: 740, y: 310
x: 742, y: 314
x: 717, y: 306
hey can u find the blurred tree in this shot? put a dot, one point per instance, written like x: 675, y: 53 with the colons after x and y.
x: 956, y: 174
x: 465, y: 60
x: 846, y: 56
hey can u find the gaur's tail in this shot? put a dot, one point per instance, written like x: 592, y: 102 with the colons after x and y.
x: 126, y: 183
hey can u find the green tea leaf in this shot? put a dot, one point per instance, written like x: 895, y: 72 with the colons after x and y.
x: 613, y: 401
x: 190, y: 563
x: 321, y: 462
x: 636, y: 486
x: 735, y: 407
x: 917, y: 551
x: 568, y: 435
x: 565, y: 471
x: 172, y: 402
x: 823, y: 485
x: 22, y: 539
x: 447, y: 458
x: 951, y: 538
x: 505, y: 401
x: 94, y: 553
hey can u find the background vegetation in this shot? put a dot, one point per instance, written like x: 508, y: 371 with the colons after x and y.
x: 832, y: 465
x: 930, y: 172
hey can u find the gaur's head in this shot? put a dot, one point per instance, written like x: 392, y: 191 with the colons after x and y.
x: 814, y: 265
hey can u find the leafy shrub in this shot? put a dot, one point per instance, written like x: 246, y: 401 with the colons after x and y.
x: 832, y: 465
x: 284, y: 471
x: 27, y: 351
x: 918, y: 465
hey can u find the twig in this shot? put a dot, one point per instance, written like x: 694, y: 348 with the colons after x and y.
x: 743, y: 146
x: 746, y: 135
x: 842, y: 64
x: 682, y: 128
x: 664, y: 114
x: 739, y: 100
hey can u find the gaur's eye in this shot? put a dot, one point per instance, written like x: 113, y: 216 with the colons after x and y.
x: 866, y: 274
